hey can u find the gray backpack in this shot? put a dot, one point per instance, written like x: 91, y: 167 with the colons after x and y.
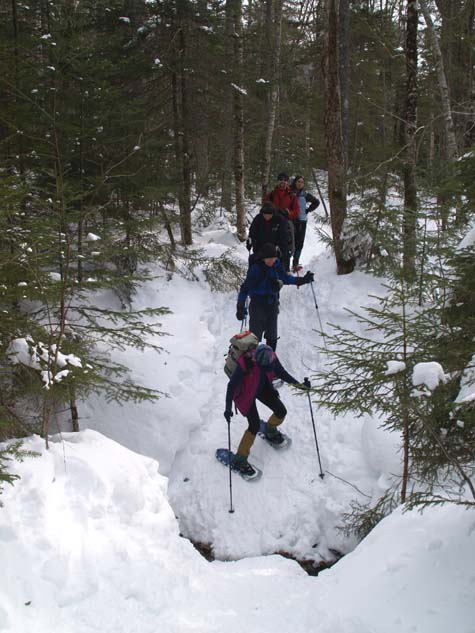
x: 239, y: 344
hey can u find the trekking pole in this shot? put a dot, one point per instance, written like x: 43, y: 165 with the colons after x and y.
x: 231, y: 509
x: 244, y: 321
x: 306, y: 382
x: 318, y: 314
x: 320, y: 194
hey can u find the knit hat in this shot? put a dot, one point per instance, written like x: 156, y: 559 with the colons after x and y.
x: 268, y: 250
x: 283, y: 176
x: 264, y: 355
x: 267, y: 207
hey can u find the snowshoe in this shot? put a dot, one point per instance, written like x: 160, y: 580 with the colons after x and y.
x: 274, y: 437
x: 247, y: 471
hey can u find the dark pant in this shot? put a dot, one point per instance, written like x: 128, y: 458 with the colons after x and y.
x: 270, y: 397
x: 263, y: 319
x: 300, y: 230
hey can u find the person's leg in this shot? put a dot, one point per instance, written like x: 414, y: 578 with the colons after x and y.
x: 300, y: 228
x: 257, y: 317
x: 271, y: 332
x: 270, y: 397
x: 240, y: 459
x: 247, y: 440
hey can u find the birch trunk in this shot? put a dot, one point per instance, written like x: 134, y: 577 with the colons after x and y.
x: 449, y: 129
x: 238, y: 122
x: 274, y: 40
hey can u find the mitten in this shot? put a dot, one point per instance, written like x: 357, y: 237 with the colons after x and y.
x: 241, y: 311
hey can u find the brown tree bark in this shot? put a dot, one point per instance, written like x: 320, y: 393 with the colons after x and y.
x: 238, y: 106
x: 334, y: 136
x: 184, y: 129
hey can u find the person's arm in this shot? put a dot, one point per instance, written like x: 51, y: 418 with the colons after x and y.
x: 314, y: 202
x: 291, y: 280
x: 251, y: 281
x: 286, y: 278
x: 233, y: 383
x: 294, y: 208
x: 283, y: 236
x: 283, y: 374
x: 267, y: 197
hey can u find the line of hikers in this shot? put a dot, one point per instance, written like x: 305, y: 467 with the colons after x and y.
x: 283, y: 213
x: 283, y: 220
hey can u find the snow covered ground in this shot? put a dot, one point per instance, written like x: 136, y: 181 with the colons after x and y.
x: 90, y: 535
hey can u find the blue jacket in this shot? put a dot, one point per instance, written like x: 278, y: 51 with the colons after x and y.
x: 303, y: 197
x: 262, y: 281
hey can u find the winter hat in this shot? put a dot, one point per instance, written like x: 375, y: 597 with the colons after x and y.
x: 267, y: 207
x: 268, y: 250
x: 283, y: 176
x: 264, y: 355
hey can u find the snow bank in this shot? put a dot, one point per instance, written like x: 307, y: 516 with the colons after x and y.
x: 89, y: 543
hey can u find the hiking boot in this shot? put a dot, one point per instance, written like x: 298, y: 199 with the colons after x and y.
x: 274, y: 436
x: 241, y: 464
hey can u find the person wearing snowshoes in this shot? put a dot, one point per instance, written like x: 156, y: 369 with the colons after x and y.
x: 300, y: 223
x: 252, y: 381
x: 287, y: 206
x: 267, y: 226
x: 263, y: 282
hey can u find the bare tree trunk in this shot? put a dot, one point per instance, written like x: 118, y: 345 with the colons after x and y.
x: 16, y: 54
x: 227, y: 133
x: 469, y: 130
x: 344, y: 74
x: 73, y: 407
x: 449, y: 130
x: 334, y: 136
x: 274, y: 39
x: 410, y: 118
x: 238, y: 122
x: 184, y: 132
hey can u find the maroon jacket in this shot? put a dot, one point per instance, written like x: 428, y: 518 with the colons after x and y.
x: 284, y: 199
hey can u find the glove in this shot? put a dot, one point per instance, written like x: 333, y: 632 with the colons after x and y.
x: 249, y: 244
x: 303, y: 385
x: 306, y: 279
x: 277, y: 285
x: 241, y: 311
x: 228, y: 414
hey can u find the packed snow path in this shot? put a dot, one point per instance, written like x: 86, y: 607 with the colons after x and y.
x: 291, y: 509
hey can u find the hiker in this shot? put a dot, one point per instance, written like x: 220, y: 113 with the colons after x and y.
x: 263, y: 282
x: 300, y: 224
x: 286, y: 203
x: 251, y: 381
x: 267, y: 227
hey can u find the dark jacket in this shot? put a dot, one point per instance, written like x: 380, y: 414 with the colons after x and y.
x: 314, y: 202
x: 274, y: 231
x: 262, y: 282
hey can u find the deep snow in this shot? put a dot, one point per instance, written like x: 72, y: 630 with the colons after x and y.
x: 90, y: 535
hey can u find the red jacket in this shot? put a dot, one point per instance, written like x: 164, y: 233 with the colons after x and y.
x: 284, y: 199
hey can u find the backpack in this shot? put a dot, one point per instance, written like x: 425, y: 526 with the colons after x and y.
x: 239, y: 344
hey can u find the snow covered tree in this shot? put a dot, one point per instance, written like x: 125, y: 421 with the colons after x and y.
x: 394, y: 368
